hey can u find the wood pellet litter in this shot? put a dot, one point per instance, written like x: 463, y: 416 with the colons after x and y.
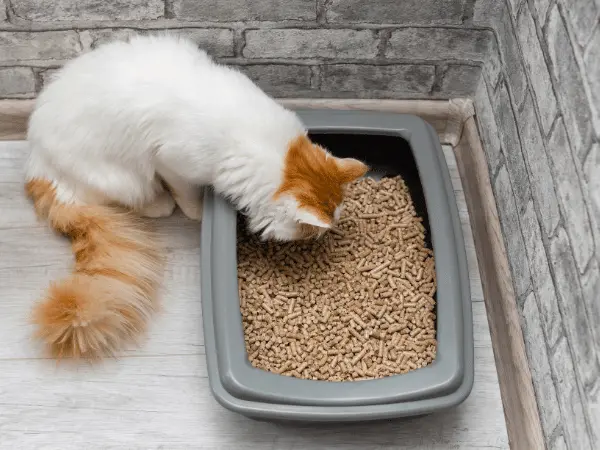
x: 357, y: 304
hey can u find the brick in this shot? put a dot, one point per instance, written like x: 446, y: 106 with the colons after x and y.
x: 486, y: 12
x: 540, y: 274
x: 514, y: 6
x: 573, y: 419
x: 559, y: 443
x: 410, y: 11
x: 65, y: 10
x: 583, y: 15
x: 537, y: 355
x: 17, y: 82
x: 488, y: 129
x: 509, y: 220
x: 244, y: 10
x: 322, y: 43
x: 593, y: 411
x: 460, y: 80
x: 216, y: 41
x: 571, y: 197
x: 27, y: 46
x: 541, y: 9
x: 509, y: 49
x: 542, y: 185
x: 48, y: 75
x: 93, y: 38
x: 493, y: 65
x: 439, y: 44
x: 571, y: 92
x: 591, y: 170
x: 280, y: 80
x: 396, y: 80
x: 590, y: 285
x: 536, y: 66
x: 577, y: 326
x: 591, y: 60
x: 511, y: 145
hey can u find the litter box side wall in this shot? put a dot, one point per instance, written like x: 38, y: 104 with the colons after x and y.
x: 443, y: 375
x: 219, y: 228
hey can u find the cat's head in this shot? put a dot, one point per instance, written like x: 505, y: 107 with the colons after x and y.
x: 312, y: 190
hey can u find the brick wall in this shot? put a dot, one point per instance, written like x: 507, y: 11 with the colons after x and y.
x: 538, y: 108
x: 302, y: 48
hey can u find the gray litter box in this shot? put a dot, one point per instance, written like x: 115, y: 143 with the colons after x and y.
x: 392, y: 144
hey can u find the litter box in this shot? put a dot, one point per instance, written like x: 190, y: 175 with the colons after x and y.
x: 392, y: 144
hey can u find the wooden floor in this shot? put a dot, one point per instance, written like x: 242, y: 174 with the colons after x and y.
x: 158, y: 396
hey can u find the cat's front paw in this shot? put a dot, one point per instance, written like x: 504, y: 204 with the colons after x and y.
x: 162, y: 206
x: 191, y: 208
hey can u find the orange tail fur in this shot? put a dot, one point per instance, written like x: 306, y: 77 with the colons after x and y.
x: 107, y: 301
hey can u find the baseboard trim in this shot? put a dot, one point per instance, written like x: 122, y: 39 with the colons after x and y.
x: 447, y: 116
x: 455, y: 124
x: 14, y: 115
x: 516, y: 385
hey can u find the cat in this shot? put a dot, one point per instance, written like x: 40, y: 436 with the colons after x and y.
x: 135, y: 128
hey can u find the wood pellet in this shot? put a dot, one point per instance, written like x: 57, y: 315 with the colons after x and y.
x: 356, y: 304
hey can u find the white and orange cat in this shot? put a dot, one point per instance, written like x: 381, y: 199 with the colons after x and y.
x: 140, y: 127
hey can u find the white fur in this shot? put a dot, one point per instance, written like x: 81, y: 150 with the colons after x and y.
x: 119, y: 116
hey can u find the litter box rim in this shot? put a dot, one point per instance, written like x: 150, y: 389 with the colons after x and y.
x: 446, y: 382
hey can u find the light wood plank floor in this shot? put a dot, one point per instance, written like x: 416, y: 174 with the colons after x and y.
x: 158, y: 396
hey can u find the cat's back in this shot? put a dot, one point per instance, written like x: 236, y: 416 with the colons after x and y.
x: 145, y: 69
x: 118, y: 96
x: 157, y: 77
x: 129, y: 98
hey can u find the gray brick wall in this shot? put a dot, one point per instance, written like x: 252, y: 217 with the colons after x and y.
x: 308, y: 48
x: 538, y: 108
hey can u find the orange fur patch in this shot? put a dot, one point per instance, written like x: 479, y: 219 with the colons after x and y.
x: 315, y: 179
x: 107, y: 301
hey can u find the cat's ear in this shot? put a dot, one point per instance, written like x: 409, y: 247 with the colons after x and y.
x: 307, y: 217
x: 351, y: 169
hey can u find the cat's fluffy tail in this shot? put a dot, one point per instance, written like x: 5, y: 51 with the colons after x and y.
x: 107, y: 301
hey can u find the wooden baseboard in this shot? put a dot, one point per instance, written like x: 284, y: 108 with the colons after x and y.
x: 453, y: 120
x: 14, y: 115
x: 446, y: 116
x: 516, y: 387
